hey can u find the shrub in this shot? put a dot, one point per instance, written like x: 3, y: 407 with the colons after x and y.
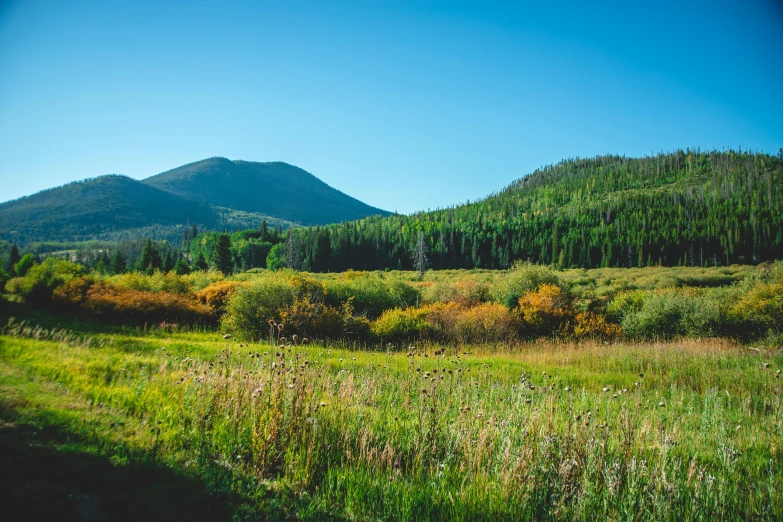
x: 371, y: 294
x: 217, y: 295
x: 760, y: 310
x: 155, y: 282
x: 24, y: 264
x: 480, y: 323
x: 588, y: 325
x: 201, y: 279
x: 545, y: 310
x: 108, y: 301
x: 307, y: 318
x: 523, y: 277
x: 624, y: 303
x: 253, y: 305
x: 41, y: 280
x: 397, y: 325
x: 674, y: 312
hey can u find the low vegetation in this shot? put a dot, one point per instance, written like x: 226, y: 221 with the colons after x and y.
x: 687, y: 430
x: 530, y: 393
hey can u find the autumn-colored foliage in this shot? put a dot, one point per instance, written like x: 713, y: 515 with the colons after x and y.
x: 480, y: 323
x: 217, y: 294
x: 136, y: 306
x: 545, y: 310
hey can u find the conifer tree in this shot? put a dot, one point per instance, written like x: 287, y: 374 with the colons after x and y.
x: 118, y: 265
x: 13, y: 258
x: 201, y: 262
x: 221, y: 256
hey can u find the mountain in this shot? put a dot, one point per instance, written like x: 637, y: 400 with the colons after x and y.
x: 276, y: 189
x: 213, y: 194
x: 687, y: 207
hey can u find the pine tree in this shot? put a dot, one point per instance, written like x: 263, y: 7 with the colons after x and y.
x: 118, y: 265
x: 150, y: 258
x: 168, y: 262
x: 201, y: 262
x: 181, y: 267
x: 13, y: 258
x: 221, y: 256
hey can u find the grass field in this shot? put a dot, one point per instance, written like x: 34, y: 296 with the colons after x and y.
x: 123, y: 424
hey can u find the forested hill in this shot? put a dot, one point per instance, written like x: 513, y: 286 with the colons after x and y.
x: 213, y: 194
x: 682, y: 208
x: 112, y: 207
x: 275, y: 189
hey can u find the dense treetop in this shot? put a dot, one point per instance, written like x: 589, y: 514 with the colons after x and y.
x: 683, y: 208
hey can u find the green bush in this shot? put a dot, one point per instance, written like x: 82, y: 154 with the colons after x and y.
x: 252, y: 306
x: 523, y: 277
x: 24, y: 264
x: 371, y: 294
x: 399, y: 325
x: 678, y: 312
x: 41, y: 280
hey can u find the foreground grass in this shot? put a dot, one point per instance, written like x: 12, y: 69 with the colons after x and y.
x: 212, y: 429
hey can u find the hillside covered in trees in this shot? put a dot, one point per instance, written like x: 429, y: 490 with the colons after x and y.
x: 692, y: 207
x: 214, y: 194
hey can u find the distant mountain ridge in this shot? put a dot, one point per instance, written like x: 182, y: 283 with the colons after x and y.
x: 275, y: 188
x: 213, y: 194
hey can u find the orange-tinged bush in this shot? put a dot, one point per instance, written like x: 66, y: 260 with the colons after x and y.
x: 481, y: 323
x: 217, y: 294
x: 588, y: 325
x: 469, y: 291
x: 307, y: 318
x: 545, y: 310
x: 134, y: 306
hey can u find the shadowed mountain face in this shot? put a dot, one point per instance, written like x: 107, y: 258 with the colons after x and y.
x: 275, y: 189
x: 213, y: 194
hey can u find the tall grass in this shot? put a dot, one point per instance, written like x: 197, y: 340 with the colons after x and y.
x: 686, y: 430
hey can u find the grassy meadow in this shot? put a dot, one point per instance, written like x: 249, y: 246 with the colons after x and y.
x: 161, y: 425
x: 116, y: 417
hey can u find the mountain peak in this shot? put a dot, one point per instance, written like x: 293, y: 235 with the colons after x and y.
x: 273, y: 188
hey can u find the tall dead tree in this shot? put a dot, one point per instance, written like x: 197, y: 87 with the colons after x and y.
x: 420, y: 260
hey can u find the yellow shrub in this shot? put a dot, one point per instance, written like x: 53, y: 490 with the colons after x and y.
x: 217, y: 294
x: 399, y: 325
x: 481, y: 323
x: 133, y: 306
x: 546, y: 310
x: 308, y: 318
x: 593, y: 326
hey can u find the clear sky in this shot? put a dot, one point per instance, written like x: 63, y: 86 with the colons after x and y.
x: 404, y: 105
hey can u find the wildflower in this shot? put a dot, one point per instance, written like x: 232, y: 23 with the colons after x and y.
x: 280, y: 327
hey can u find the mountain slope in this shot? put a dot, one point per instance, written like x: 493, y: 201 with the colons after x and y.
x: 277, y: 189
x: 108, y: 207
x: 683, y: 208
x: 213, y: 194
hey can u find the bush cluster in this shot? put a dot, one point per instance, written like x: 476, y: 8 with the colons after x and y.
x: 525, y: 302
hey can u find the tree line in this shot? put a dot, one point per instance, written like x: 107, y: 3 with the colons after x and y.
x: 685, y: 208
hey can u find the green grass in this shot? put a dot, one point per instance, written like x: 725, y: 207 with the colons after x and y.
x: 192, y: 426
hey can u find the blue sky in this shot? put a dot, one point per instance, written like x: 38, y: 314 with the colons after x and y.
x: 404, y: 105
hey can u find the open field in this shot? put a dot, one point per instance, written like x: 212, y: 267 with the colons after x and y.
x: 117, y: 423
